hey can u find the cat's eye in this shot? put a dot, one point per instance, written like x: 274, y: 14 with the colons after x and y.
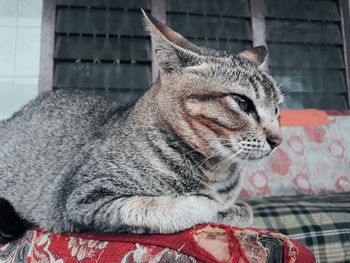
x: 243, y: 104
x: 246, y: 105
x: 276, y: 111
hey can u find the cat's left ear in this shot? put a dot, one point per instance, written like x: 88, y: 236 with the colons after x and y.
x: 172, y: 51
x: 257, y: 55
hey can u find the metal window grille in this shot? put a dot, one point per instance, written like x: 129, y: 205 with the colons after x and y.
x: 220, y: 24
x: 102, y: 45
x: 305, y: 41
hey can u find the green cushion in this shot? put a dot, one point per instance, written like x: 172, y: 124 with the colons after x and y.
x: 320, y: 222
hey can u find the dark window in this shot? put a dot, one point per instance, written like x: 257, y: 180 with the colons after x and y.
x: 220, y: 24
x: 304, y: 38
x: 102, y: 45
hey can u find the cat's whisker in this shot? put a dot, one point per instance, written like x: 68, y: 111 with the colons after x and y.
x: 202, y: 148
x: 206, y: 173
x: 206, y: 147
x: 200, y: 164
x: 196, y: 150
x: 223, y: 161
x: 234, y: 155
x: 231, y: 158
x: 227, y: 161
x: 200, y: 139
x: 201, y: 176
x: 243, y: 163
x: 204, y: 160
x: 289, y: 78
x: 218, y: 165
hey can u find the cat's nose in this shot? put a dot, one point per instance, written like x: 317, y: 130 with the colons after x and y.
x: 274, y: 140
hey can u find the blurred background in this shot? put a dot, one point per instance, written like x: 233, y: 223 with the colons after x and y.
x: 101, y: 45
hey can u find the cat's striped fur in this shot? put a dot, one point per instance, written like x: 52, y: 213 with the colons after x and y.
x: 72, y: 161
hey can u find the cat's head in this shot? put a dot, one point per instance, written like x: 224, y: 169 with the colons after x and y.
x: 221, y: 104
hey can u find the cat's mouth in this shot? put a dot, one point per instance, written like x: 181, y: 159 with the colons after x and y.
x: 253, y: 156
x: 240, y: 153
x: 259, y: 156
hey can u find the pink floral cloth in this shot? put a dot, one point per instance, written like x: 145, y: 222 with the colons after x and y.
x: 311, y: 160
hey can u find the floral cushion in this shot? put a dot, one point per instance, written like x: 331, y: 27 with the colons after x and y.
x: 206, y: 243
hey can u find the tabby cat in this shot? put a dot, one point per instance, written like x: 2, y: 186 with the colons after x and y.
x: 71, y: 161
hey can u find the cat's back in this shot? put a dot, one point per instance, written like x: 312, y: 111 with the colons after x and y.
x: 61, y: 113
x: 63, y: 102
x: 42, y: 138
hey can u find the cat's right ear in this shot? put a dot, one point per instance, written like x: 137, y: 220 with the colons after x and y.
x: 172, y: 51
x: 257, y: 55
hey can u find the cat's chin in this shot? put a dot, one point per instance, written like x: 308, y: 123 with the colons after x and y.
x: 255, y: 156
x: 245, y: 157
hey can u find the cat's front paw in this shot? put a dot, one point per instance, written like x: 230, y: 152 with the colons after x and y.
x: 240, y: 215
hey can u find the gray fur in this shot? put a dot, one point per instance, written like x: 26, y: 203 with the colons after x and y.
x: 72, y: 161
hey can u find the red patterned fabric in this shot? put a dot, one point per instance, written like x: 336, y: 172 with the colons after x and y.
x: 206, y: 243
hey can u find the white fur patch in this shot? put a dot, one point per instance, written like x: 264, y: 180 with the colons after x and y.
x: 165, y: 214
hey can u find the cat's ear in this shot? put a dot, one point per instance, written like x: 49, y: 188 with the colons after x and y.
x: 257, y: 55
x: 172, y: 51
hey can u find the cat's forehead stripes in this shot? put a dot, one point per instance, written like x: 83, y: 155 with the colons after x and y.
x: 265, y: 88
x: 262, y: 84
x: 235, y: 71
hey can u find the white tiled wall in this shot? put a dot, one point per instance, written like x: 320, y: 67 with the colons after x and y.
x: 20, y: 27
